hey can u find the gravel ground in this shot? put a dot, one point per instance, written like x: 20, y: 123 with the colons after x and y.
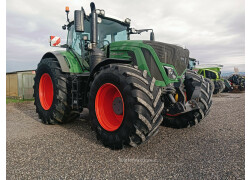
x: 214, y: 149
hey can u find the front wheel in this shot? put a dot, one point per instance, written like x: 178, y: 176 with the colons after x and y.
x: 192, y: 79
x: 124, y: 105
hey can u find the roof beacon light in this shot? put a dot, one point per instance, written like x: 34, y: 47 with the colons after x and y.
x: 67, y: 9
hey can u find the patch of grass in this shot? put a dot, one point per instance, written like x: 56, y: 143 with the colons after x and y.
x: 12, y: 100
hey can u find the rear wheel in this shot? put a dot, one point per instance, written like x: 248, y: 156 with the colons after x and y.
x: 52, y: 93
x: 191, y: 118
x: 124, y: 106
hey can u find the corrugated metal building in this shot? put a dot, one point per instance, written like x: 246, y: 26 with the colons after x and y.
x: 19, y: 84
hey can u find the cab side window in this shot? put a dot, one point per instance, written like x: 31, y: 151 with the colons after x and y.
x: 210, y: 74
x: 75, y: 39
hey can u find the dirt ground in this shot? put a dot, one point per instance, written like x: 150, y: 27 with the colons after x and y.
x: 213, y: 149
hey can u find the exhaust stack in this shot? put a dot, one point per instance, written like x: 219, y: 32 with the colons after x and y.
x: 94, y: 35
x: 96, y: 54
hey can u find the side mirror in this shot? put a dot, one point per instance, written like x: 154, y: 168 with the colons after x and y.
x: 79, y: 18
x: 54, y: 41
x: 152, y: 36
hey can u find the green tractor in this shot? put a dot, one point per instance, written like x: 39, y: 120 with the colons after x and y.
x: 210, y: 71
x: 129, y: 86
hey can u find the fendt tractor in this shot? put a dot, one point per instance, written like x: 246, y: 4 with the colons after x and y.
x: 129, y: 86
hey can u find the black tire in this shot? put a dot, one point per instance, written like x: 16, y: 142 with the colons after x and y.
x: 142, y: 106
x: 60, y: 110
x: 219, y: 86
x: 241, y: 88
x: 192, y: 79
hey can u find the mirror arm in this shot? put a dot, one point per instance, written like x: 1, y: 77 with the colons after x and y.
x: 64, y: 46
x: 83, y: 12
x: 140, y: 31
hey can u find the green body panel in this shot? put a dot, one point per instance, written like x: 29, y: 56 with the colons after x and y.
x: 74, y: 65
x: 214, y: 70
x: 120, y: 50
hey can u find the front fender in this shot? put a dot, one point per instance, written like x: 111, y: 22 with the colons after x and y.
x: 60, y: 58
x: 97, y: 68
x: 69, y: 62
x: 109, y: 61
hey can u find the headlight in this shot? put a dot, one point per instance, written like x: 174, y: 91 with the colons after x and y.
x: 98, y: 11
x: 170, y: 72
x: 99, y: 20
x: 102, y: 12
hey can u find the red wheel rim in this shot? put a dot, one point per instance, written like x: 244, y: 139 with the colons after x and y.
x: 109, y: 107
x: 46, y: 91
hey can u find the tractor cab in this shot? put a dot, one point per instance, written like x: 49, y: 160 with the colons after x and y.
x: 109, y: 31
x: 210, y: 74
x: 211, y: 71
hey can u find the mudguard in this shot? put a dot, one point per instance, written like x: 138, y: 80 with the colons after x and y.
x: 60, y: 58
x: 70, y: 62
x: 109, y: 61
x: 97, y: 68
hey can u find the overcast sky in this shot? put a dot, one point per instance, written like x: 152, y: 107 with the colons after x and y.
x: 212, y: 30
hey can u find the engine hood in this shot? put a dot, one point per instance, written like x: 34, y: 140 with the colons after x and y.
x: 171, y: 54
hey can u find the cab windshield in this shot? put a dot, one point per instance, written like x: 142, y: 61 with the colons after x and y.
x: 108, y: 31
x: 111, y: 31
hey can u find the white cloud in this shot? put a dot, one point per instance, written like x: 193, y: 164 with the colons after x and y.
x: 212, y: 30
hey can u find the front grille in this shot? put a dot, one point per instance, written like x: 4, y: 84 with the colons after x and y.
x: 132, y: 57
x: 171, y: 54
x: 152, y: 66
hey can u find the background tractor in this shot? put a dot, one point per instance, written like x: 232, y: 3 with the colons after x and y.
x: 124, y: 83
x: 237, y: 82
x: 212, y: 72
